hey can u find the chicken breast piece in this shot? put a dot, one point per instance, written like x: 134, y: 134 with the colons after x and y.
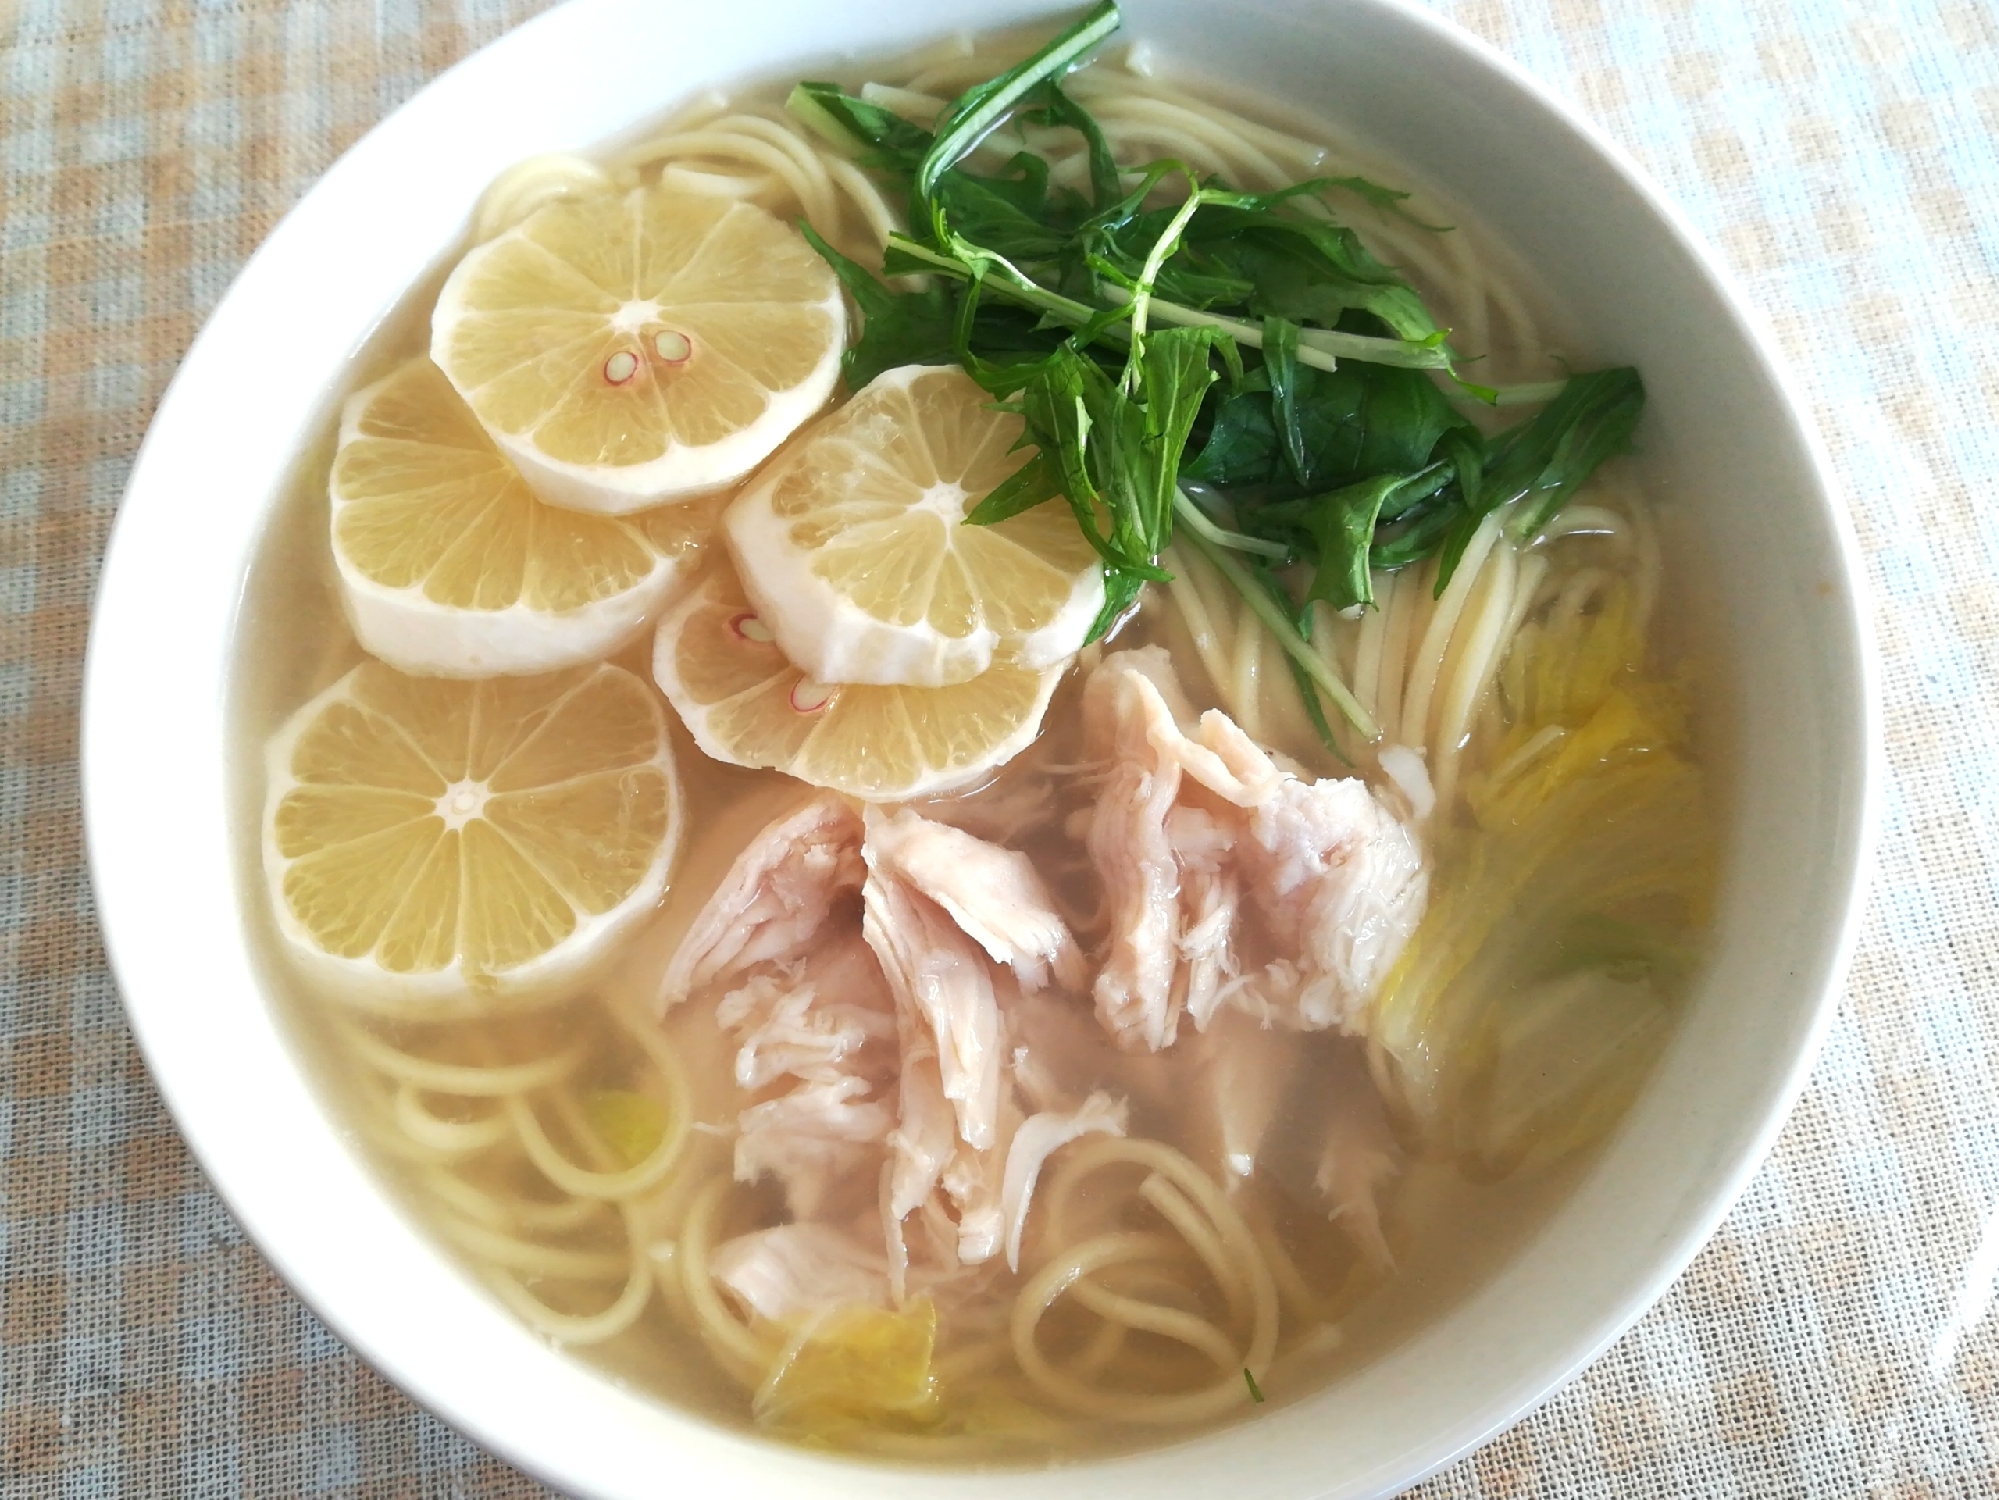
x: 1039, y: 1137
x: 871, y: 1037
x: 1340, y: 883
x: 817, y: 1038
x: 775, y: 897
x: 794, y: 1268
x: 1204, y: 848
x: 1125, y: 721
x: 939, y: 974
x: 811, y: 1017
x: 1247, y: 1070
x: 973, y: 1182
x: 926, y: 1132
x: 1198, y: 827
x: 995, y: 895
x: 1214, y: 751
x: 966, y: 933
x: 816, y: 1138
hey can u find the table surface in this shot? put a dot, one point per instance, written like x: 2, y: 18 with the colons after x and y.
x: 1843, y: 155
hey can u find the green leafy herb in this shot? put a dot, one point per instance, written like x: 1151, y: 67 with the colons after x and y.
x: 907, y: 328
x: 1255, y: 1394
x: 1590, y: 421
x: 1280, y: 371
x: 1053, y: 107
x: 1342, y: 524
x: 1388, y: 200
x: 1115, y: 446
x: 1543, y: 461
x: 1357, y: 422
x: 888, y: 141
x: 983, y: 107
x: 1161, y: 329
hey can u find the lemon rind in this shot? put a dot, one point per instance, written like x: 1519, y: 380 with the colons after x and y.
x: 414, y: 634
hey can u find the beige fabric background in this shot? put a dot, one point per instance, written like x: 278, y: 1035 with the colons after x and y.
x: 1830, y: 1342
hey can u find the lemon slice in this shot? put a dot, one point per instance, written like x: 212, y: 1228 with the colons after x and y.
x: 450, y: 566
x: 852, y: 549
x: 628, y: 350
x: 433, y: 847
x: 746, y: 704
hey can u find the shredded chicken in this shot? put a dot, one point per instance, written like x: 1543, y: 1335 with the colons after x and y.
x: 775, y: 898
x: 1340, y: 882
x: 805, y: 1004
x: 874, y: 1061
x: 812, y: 1138
x: 926, y: 1134
x: 1128, y: 844
x: 905, y: 1002
x: 793, y: 1268
x: 1198, y: 828
x: 1210, y: 905
x: 1359, y: 1158
x: 1039, y: 1137
x: 973, y: 1182
x: 938, y: 973
x: 956, y: 923
x: 1142, y: 684
x: 816, y: 1038
x: 993, y: 894
x: 808, y: 1018
x: 1246, y: 1071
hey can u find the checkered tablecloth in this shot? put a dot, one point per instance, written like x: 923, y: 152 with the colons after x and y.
x: 1831, y: 1341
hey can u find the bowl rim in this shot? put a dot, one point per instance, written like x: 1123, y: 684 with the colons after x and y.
x: 111, y: 792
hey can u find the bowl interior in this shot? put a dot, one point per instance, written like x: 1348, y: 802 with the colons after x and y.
x: 1775, y: 590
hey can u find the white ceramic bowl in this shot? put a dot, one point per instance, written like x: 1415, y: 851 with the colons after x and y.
x: 1779, y: 584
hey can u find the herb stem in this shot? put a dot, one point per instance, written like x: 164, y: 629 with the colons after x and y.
x: 1532, y: 394
x: 1021, y: 290
x: 1317, y: 347
x: 1197, y: 521
x: 1165, y: 245
x: 1243, y: 333
x: 1265, y: 609
x: 1320, y: 348
x: 810, y: 113
x: 1373, y: 351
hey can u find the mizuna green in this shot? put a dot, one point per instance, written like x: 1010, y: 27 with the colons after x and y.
x: 1181, y: 349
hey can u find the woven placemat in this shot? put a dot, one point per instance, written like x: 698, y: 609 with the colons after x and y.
x: 1843, y: 156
